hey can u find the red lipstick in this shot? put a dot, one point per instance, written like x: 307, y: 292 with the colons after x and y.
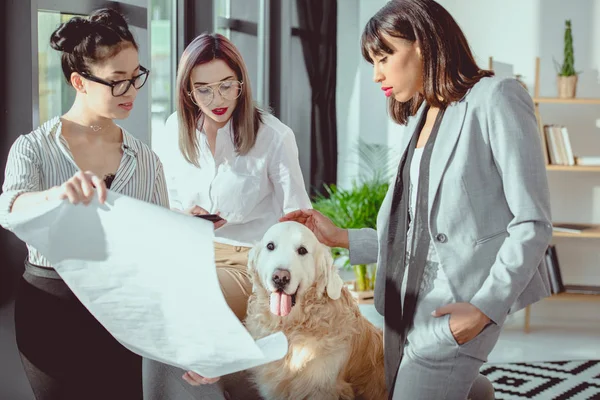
x: 220, y: 111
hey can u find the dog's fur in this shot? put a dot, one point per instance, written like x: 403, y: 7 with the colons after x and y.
x: 334, y: 352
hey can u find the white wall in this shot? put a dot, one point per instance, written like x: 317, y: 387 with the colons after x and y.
x: 361, y: 105
x: 514, y: 32
x: 347, y: 89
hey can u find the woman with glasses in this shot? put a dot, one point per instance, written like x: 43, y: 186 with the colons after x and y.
x: 222, y: 154
x: 66, y: 352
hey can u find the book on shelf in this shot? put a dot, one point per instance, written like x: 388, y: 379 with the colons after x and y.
x: 559, y: 147
x: 588, y: 160
x: 555, y: 277
x: 553, y: 270
x: 569, y: 228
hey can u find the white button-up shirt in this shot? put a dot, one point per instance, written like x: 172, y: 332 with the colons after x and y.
x: 251, y: 191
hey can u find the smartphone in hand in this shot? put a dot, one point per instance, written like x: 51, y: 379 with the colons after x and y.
x: 210, y: 217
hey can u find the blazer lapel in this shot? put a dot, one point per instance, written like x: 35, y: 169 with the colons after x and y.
x: 410, y: 129
x: 449, y: 132
x: 384, y: 210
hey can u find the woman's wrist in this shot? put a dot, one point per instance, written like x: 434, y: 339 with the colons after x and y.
x: 343, y: 240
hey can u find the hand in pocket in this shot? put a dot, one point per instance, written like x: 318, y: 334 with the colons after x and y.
x: 466, y: 321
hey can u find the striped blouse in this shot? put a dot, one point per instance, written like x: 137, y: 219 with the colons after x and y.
x: 41, y: 160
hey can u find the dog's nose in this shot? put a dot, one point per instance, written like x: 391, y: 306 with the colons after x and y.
x: 281, y: 278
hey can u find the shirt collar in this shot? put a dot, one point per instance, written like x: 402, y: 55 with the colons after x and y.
x: 53, y: 127
x: 129, y: 146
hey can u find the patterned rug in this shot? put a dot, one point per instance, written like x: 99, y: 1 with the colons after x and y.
x: 558, y: 380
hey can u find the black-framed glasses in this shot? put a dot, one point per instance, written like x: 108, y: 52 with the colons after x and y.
x: 229, y: 90
x: 119, y: 88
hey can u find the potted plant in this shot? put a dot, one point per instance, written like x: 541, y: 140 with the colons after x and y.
x: 358, y: 206
x: 354, y: 208
x: 567, y: 76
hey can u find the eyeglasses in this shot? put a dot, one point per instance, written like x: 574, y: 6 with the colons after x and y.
x: 229, y: 90
x: 119, y: 88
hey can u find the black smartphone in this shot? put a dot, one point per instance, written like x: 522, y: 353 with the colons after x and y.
x: 210, y: 217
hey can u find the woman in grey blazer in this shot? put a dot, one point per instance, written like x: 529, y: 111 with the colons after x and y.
x: 461, y: 234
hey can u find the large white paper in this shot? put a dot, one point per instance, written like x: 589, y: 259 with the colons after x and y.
x: 148, y: 275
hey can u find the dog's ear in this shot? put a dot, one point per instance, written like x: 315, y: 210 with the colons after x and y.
x: 334, y: 281
x: 252, y: 260
x: 253, y: 256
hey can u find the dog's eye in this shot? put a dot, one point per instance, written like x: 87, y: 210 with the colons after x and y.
x: 271, y: 246
x: 302, y: 250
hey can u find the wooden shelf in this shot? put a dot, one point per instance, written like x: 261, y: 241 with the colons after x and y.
x: 557, y: 100
x: 363, y: 297
x: 574, y: 296
x: 564, y: 296
x: 573, y: 168
x: 366, y: 297
x: 589, y: 231
x: 593, y: 232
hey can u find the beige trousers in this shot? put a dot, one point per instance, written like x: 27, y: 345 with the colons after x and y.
x: 232, y: 270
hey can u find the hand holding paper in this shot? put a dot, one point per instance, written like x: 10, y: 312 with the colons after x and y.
x: 148, y: 275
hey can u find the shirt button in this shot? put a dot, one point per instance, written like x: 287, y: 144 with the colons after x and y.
x: 441, y: 238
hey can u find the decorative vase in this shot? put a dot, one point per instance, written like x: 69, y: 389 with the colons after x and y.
x: 567, y: 86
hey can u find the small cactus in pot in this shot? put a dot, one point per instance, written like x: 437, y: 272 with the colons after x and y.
x: 567, y: 76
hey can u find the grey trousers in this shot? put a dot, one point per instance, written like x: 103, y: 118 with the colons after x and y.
x: 435, y: 366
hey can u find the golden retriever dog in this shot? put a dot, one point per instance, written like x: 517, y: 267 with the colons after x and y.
x: 334, y: 352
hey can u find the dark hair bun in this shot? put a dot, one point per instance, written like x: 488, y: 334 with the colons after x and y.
x: 71, y: 33
x: 109, y: 17
x: 85, y: 41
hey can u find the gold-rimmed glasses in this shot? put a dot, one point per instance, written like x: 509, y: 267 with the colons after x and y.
x: 205, y: 94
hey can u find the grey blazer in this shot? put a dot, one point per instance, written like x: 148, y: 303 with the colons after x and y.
x: 489, y: 208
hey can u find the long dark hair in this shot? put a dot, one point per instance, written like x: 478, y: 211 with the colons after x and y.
x: 449, y: 69
x: 90, y: 40
x: 247, y: 117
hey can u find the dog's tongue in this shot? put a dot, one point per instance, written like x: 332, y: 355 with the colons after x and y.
x: 281, y: 304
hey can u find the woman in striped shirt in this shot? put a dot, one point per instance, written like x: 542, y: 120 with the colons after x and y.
x: 66, y: 352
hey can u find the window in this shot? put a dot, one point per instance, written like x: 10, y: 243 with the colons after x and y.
x: 162, y: 58
x: 55, y: 96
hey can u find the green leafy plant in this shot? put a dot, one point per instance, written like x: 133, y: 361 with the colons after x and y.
x: 376, y: 161
x: 568, y: 66
x: 358, y: 206
x: 354, y: 208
